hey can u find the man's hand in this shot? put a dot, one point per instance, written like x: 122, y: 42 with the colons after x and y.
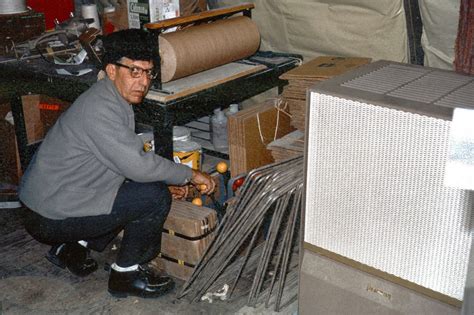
x: 179, y: 192
x: 203, y: 182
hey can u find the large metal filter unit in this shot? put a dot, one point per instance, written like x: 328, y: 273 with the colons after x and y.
x: 382, y: 232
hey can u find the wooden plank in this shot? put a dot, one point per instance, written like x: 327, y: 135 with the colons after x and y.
x: 199, y: 16
x: 188, y: 219
x: 203, y: 80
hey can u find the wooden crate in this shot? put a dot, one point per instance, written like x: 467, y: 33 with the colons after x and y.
x: 188, y: 230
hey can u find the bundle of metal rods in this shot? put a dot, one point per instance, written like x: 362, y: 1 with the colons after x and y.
x: 266, y: 214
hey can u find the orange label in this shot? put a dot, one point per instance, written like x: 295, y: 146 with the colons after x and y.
x: 46, y: 106
x: 189, y: 158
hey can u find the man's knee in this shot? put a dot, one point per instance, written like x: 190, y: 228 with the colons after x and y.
x: 163, y: 192
x: 162, y: 198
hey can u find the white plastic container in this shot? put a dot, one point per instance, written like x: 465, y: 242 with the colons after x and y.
x: 233, y: 108
x: 186, y: 151
x: 219, y: 130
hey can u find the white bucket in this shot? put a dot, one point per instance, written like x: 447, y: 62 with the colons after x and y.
x: 12, y: 6
x: 185, y: 151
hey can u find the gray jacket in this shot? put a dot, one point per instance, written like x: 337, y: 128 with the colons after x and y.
x: 86, y: 156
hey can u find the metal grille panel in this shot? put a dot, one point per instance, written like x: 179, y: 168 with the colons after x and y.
x: 430, y: 87
x: 375, y: 194
x: 386, y: 79
x: 462, y: 97
x: 415, y: 84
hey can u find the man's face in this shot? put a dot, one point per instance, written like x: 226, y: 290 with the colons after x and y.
x: 133, y: 90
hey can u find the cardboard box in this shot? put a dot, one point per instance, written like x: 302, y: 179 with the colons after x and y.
x: 324, y: 67
x: 40, y: 113
x: 250, y: 131
x: 141, y: 12
x: 187, y: 7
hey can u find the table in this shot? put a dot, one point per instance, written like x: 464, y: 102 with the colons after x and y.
x: 39, y: 77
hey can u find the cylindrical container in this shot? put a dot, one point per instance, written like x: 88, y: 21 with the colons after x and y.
x: 219, y: 130
x: 145, y: 132
x: 207, y: 45
x: 186, y: 151
x: 12, y: 6
x: 89, y: 11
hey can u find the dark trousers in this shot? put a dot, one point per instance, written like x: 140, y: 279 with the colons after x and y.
x: 140, y: 209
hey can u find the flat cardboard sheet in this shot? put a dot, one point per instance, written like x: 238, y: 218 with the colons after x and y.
x: 250, y: 131
x: 288, y: 146
x: 324, y: 67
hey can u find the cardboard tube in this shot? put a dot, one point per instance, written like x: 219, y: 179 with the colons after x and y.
x: 206, y: 46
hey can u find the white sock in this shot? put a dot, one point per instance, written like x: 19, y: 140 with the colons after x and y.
x: 83, y: 243
x: 124, y: 269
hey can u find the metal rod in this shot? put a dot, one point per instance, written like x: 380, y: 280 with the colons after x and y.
x: 268, y: 189
x: 249, y: 250
x: 287, y: 250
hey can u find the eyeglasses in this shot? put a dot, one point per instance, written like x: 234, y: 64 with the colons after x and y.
x: 137, y: 72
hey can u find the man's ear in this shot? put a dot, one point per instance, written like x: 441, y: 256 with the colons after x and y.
x: 111, y: 71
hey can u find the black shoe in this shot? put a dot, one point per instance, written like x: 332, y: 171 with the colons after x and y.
x: 153, y: 274
x: 74, y: 257
x: 138, y: 283
x: 148, y: 269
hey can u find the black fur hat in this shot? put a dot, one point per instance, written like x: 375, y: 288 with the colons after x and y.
x: 135, y: 44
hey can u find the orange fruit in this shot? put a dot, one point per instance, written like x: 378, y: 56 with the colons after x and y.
x: 221, y: 167
x: 197, y: 201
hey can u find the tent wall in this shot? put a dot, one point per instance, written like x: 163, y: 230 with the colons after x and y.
x: 363, y: 28
x: 440, y: 25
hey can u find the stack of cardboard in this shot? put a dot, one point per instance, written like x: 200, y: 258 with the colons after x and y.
x: 251, y: 130
x: 308, y: 74
x: 288, y: 146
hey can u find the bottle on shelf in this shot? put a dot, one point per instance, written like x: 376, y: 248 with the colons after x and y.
x: 219, y: 130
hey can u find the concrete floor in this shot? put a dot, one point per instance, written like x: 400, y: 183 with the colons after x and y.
x: 29, y: 284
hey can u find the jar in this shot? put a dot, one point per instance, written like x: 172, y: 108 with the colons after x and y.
x: 219, y: 130
x: 145, y: 132
x: 186, y: 151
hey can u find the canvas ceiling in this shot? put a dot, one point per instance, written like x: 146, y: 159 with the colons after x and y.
x: 363, y: 28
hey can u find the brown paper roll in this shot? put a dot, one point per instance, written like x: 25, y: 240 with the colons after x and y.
x: 206, y: 46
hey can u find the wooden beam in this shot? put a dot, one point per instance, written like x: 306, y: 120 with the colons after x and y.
x: 201, y: 16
